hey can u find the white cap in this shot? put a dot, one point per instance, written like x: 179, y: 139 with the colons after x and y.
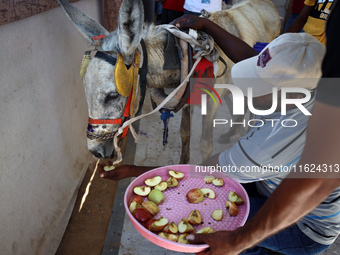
x: 282, y: 63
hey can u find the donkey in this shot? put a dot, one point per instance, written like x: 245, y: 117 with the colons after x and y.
x: 107, y: 86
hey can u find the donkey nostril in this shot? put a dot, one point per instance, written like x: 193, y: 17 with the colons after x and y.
x: 96, y: 154
x: 112, y: 154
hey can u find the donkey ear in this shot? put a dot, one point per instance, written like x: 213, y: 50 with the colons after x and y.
x: 86, y: 25
x: 130, y: 27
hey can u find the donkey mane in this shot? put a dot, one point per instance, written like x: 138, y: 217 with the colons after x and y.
x: 150, y: 34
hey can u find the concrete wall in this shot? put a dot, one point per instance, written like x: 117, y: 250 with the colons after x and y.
x: 43, y: 151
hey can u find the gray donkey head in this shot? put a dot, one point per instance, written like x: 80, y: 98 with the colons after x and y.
x: 106, y: 97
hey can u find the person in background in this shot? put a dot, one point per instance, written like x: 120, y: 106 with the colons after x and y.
x: 294, y: 8
x: 158, y: 11
x: 172, y: 9
x: 195, y: 7
x: 312, y: 19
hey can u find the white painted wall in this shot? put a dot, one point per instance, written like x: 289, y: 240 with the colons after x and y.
x: 43, y: 151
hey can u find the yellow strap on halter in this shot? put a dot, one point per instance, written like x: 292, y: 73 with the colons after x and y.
x: 84, y: 63
x: 126, y: 79
x: 135, y: 80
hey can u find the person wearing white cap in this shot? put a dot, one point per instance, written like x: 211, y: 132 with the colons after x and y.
x: 289, y: 61
x: 312, y: 19
x: 195, y: 7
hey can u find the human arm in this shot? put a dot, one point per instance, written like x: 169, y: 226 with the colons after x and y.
x: 280, y: 211
x: 295, y: 197
x: 300, y: 21
x: 212, y: 161
x: 236, y: 49
x: 288, y: 12
x: 284, y: 208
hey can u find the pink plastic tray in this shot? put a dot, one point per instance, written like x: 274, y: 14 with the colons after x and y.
x: 176, y: 206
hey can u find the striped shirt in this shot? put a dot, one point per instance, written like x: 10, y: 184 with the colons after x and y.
x: 267, y: 153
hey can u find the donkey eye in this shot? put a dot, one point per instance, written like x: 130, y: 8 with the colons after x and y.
x: 110, y: 97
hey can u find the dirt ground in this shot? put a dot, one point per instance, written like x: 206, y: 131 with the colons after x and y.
x: 86, y: 231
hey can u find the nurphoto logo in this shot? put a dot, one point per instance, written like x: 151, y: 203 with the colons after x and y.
x: 238, y: 101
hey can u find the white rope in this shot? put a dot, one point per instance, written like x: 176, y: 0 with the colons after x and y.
x: 130, y: 121
x: 206, y: 49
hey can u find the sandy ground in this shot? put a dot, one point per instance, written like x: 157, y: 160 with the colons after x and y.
x: 86, y: 231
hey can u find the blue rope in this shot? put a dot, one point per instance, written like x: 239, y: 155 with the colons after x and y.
x: 165, y: 116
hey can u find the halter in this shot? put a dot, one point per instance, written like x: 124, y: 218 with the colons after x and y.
x: 118, y: 121
x: 126, y: 79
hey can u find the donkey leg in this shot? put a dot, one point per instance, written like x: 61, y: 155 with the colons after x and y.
x: 185, y: 134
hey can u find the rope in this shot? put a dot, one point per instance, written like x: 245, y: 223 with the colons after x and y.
x: 204, y: 46
x: 165, y: 116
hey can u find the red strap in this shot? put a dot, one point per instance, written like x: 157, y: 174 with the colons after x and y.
x: 127, y: 113
x: 203, y: 70
x: 107, y: 121
x: 125, y: 131
x: 98, y: 37
x: 127, y: 106
x: 114, y: 121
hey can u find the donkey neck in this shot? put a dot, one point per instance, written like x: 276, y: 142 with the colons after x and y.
x: 156, y: 76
